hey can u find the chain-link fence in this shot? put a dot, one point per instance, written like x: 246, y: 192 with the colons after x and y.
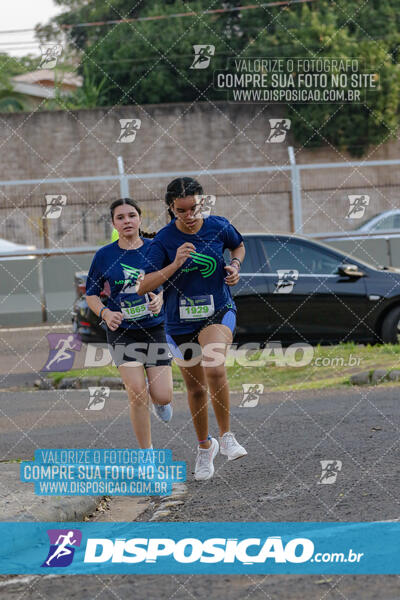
x: 298, y: 198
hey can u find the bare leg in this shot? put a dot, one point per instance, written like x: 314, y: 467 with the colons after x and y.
x: 215, y: 373
x: 196, y: 386
x: 160, y: 384
x: 135, y: 384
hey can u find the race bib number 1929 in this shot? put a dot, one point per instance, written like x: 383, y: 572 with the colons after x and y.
x: 196, y: 307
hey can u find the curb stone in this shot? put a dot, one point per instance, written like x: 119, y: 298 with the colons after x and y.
x: 78, y: 383
x: 374, y: 377
x: 39, y: 509
x: 179, y: 490
x: 378, y: 376
x: 114, y: 383
x: 69, y: 383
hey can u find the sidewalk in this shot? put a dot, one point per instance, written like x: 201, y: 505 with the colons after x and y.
x: 18, y: 501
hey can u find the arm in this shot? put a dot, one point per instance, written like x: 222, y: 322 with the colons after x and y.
x: 153, y: 280
x: 111, y: 318
x: 95, y: 304
x: 239, y: 252
x: 237, y: 257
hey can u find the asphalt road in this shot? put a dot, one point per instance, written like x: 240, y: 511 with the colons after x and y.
x: 24, y: 352
x: 286, y: 435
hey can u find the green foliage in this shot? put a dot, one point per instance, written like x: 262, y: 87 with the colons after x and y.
x: 149, y: 61
x: 328, y: 30
x: 90, y: 95
x: 11, y: 101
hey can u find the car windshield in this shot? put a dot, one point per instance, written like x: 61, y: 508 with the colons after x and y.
x: 367, y: 221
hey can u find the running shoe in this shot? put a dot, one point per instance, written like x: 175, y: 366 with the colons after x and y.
x: 163, y: 412
x: 230, y: 447
x: 204, y: 468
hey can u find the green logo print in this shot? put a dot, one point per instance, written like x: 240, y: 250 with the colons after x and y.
x: 208, y: 263
x: 130, y: 272
x: 131, y: 275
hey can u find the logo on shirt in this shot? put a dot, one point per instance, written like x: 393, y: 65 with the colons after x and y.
x: 208, y: 264
x: 131, y: 275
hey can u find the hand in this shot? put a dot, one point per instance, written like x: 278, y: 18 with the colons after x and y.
x: 183, y: 253
x: 156, y: 302
x: 139, y: 279
x: 113, y: 319
x: 233, y: 274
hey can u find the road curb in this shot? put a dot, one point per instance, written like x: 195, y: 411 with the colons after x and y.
x: 38, y: 509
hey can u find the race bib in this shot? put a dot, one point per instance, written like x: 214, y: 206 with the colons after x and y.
x: 134, y: 309
x: 196, y: 307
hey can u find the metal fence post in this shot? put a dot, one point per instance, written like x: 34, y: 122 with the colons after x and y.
x: 296, y: 192
x: 42, y: 292
x: 123, y: 181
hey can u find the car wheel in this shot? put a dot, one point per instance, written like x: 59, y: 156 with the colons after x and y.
x: 390, y: 332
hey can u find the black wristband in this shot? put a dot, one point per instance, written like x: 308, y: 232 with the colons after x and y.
x: 238, y: 260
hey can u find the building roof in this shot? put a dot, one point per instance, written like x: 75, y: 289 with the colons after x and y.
x: 43, y: 76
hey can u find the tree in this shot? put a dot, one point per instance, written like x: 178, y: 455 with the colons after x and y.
x: 10, y: 66
x: 149, y: 61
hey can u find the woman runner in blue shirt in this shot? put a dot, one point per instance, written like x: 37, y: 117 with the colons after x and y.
x: 186, y: 257
x: 133, y: 323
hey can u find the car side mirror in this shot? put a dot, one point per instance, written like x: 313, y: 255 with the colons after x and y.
x: 348, y: 270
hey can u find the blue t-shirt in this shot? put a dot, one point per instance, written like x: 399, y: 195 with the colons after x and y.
x: 121, y: 268
x: 198, y: 287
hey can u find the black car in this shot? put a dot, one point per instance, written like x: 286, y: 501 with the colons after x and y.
x: 84, y: 322
x: 293, y: 289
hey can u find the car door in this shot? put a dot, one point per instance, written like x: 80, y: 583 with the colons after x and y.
x: 309, y: 300
x: 250, y: 293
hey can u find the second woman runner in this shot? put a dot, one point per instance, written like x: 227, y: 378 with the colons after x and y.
x: 131, y: 319
x: 186, y: 257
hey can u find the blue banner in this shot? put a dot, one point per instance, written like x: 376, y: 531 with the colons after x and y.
x: 103, y: 472
x: 191, y: 548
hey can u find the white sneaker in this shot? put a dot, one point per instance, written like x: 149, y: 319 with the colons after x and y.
x: 204, y: 468
x: 230, y: 447
x: 163, y: 412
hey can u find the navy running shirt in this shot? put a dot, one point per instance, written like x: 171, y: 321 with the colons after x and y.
x: 187, y: 294
x: 121, y: 268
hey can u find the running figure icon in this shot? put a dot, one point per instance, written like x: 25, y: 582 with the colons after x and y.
x: 63, y: 543
x: 62, y: 350
x: 62, y: 549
